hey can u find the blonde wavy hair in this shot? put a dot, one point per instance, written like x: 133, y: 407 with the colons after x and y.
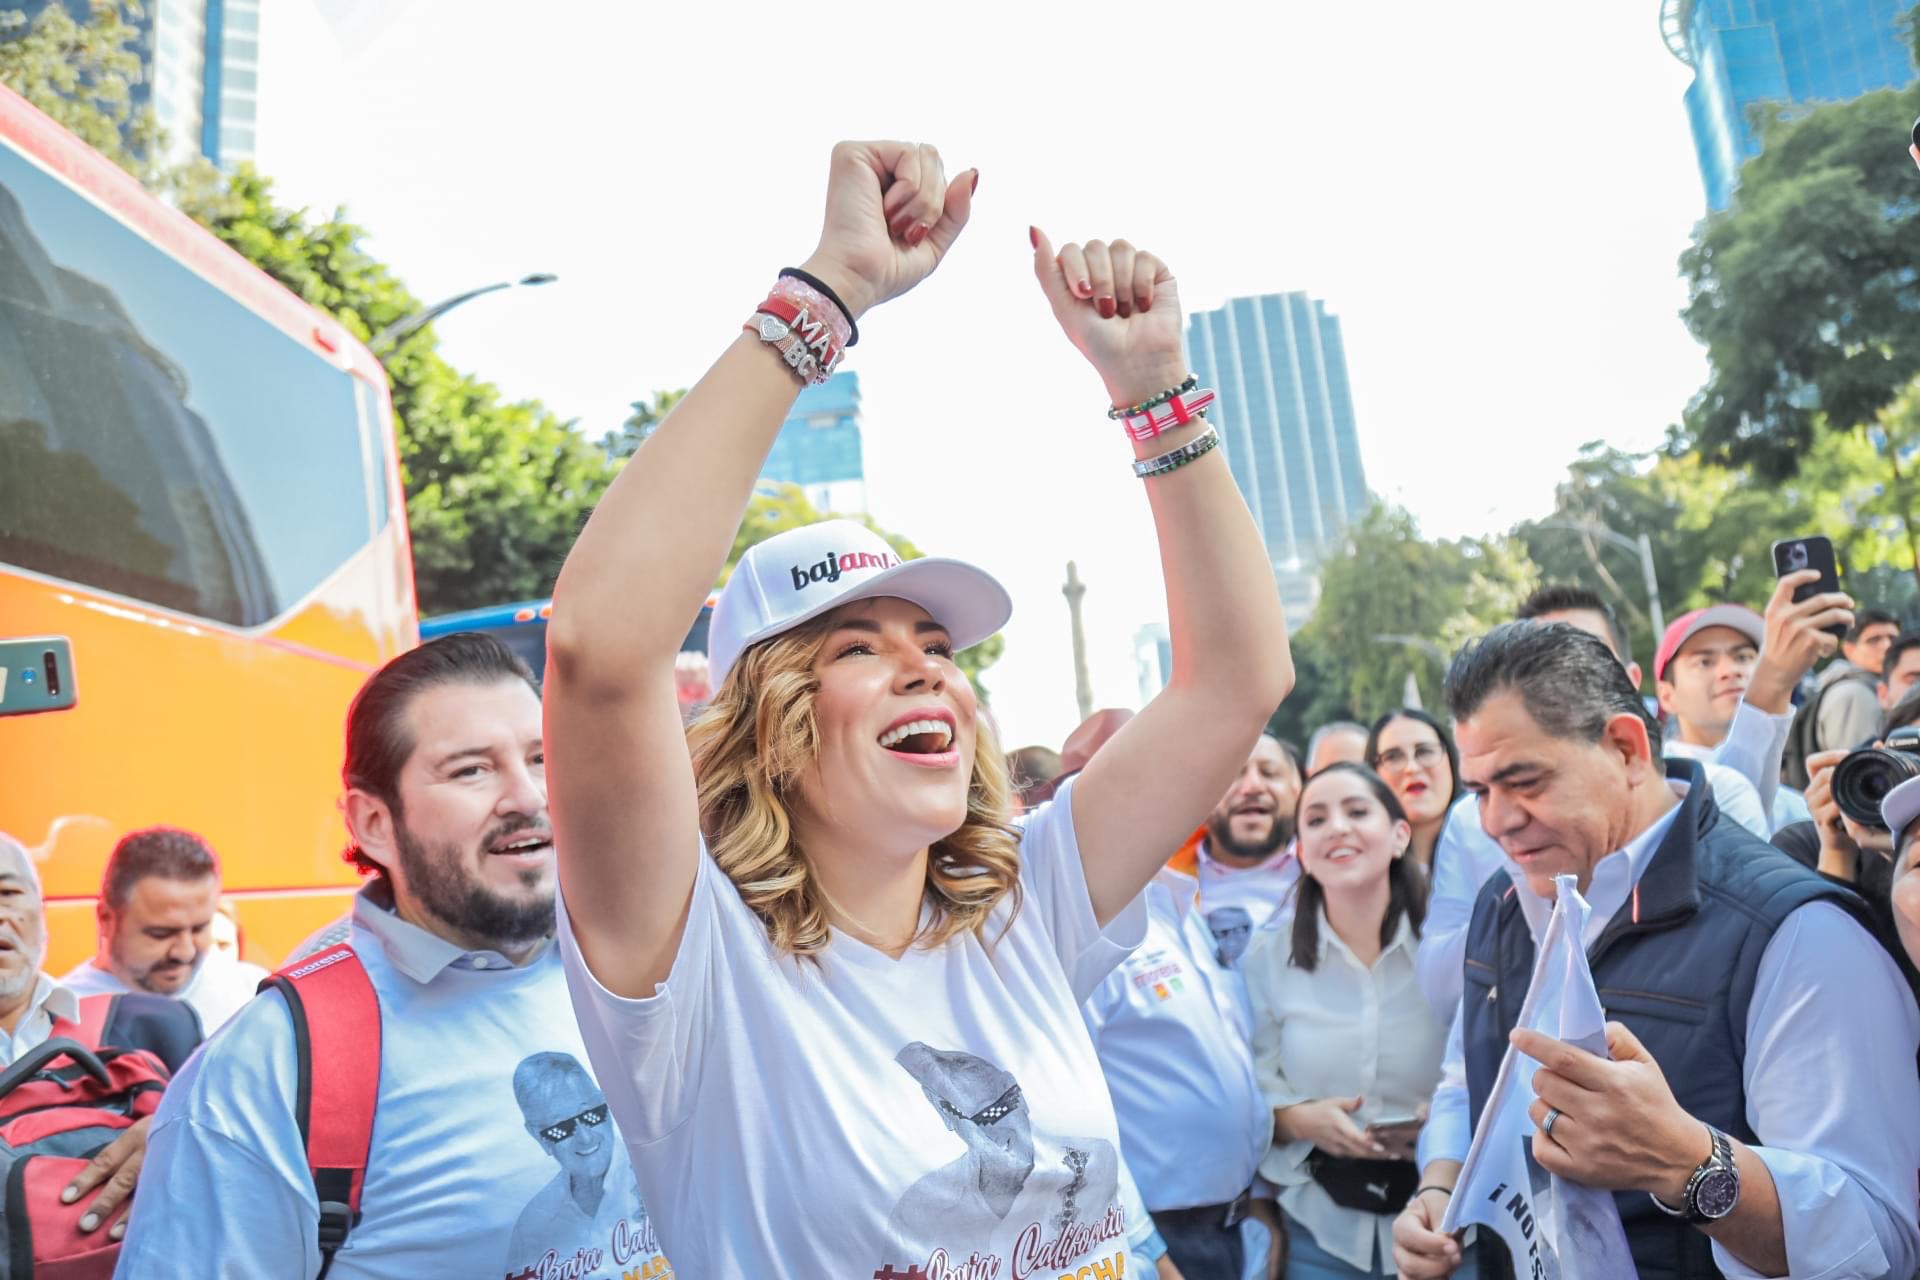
x: 751, y: 746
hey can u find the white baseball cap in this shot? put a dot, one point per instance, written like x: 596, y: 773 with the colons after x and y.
x: 800, y: 574
x: 1901, y: 806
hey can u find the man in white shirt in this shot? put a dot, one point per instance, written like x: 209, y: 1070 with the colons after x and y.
x: 1744, y: 770
x: 1169, y: 1026
x: 1246, y: 866
x: 482, y: 1088
x: 1734, y: 977
x: 30, y: 1004
x: 158, y: 897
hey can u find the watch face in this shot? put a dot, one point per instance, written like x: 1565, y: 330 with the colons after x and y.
x: 1717, y: 1194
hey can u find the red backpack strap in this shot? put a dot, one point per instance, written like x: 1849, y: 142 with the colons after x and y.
x: 336, y: 1021
x: 95, y: 1013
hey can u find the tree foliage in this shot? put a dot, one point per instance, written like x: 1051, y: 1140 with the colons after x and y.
x: 1393, y: 604
x: 83, y: 74
x: 646, y: 415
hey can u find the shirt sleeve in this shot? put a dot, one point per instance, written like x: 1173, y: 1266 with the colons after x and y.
x: 1449, y: 1128
x: 646, y: 1052
x: 1849, y: 715
x: 1755, y: 744
x: 1055, y: 882
x: 226, y: 1129
x: 1833, y: 1096
x: 1437, y: 963
x: 1739, y: 801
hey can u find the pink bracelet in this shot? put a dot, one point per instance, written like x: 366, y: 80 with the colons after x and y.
x: 1180, y: 410
x: 816, y: 304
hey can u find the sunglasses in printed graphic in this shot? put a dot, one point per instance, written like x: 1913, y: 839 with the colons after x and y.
x: 1000, y: 1108
x: 560, y: 1132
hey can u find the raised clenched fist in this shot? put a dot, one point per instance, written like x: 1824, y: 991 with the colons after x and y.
x: 892, y: 215
x: 1119, y: 305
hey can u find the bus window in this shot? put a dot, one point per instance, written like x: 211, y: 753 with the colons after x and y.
x: 162, y: 442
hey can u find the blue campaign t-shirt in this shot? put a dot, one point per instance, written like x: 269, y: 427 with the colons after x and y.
x: 494, y: 1155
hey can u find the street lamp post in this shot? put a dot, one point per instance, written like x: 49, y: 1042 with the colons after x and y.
x: 392, y: 335
x: 1641, y: 546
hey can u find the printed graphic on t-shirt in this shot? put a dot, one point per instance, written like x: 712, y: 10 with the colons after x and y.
x: 1159, y: 971
x: 587, y: 1222
x: 1232, y: 929
x: 1019, y: 1203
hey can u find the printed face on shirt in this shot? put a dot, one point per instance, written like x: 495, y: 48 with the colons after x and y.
x: 1706, y: 679
x: 567, y: 1115
x: 155, y: 941
x: 1410, y: 758
x: 1255, y: 817
x: 23, y: 924
x: 1556, y: 806
x: 1348, y: 839
x: 471, y: 847
x: 978, y: 1101
x: 886, y: 666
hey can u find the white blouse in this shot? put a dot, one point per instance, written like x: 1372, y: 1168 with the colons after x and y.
x: 1341, y: 1030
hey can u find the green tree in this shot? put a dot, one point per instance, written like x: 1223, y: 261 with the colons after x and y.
x: 83, y: 74
x: 1393, y: 604
x: 1805, y: 293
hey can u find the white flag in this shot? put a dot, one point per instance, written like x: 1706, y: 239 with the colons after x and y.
x: 1555, y: 1229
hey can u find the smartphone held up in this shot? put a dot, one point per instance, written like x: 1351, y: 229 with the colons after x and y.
x: 1815, y: 552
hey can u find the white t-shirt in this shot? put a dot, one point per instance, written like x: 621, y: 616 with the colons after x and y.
x: 1170, y: 1025
x: 457, y: 1182
x: 219, y: 986
x: 865, y: 1115
x: 1235, y: 901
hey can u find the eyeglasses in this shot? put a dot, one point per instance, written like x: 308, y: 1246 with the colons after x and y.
x: 1427, y: 753
x: 1002, y: 1107
x: 592, y: 1118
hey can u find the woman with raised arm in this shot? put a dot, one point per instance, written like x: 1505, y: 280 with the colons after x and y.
x: 830, y: 988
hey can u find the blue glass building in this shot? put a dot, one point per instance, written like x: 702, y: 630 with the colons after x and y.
x: 1285, y: 415
x: 1745, y: 52
x: 819, y: 446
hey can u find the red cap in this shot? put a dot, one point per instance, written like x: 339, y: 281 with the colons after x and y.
x: 1737, y: 616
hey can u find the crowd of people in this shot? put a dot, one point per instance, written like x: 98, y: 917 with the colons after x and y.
x: 828, y: 982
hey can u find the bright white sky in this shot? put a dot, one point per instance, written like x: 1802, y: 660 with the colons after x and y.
x: 1492, y: 197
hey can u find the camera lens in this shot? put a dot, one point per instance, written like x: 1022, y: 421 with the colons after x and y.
x: 1862, y: 780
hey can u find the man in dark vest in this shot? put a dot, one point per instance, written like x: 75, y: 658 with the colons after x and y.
x: 1760, y: 1113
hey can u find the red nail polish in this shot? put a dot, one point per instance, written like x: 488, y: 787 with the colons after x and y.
x: 1033, y: 234
x: 919, y: 233
x: 1086, y: 288
x: 976, y: 182
x: 1126, y: 309
x: 1106, y: 308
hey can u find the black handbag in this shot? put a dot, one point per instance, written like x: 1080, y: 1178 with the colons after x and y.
x: 1371, y: 1186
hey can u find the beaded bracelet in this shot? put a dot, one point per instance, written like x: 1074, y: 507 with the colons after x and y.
x: 1153, y: 402
x: 1174, y: 459
x: 826, y: 291
x: 1181, y: 410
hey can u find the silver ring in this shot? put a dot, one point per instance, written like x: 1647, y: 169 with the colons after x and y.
x: 1546, y: 1125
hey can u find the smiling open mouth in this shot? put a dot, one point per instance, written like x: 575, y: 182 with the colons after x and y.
x: 918, y: 737
x: 523, y: 845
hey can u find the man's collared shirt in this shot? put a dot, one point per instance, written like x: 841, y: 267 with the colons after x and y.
x: 220, y: 985
x: 50, y: 1000
x: 488, y: 1117
x: 1831, y: 1023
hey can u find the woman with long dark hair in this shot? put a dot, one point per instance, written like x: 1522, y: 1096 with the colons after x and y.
x: 1344, y: 1046
x: 1414, y: 755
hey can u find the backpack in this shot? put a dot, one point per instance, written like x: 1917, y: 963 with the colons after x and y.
x: 1803, y: 735
x: 336, y: 1021
x: 60, y: 1103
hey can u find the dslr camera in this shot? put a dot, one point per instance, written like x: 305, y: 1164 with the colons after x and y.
x: 1862, y: 780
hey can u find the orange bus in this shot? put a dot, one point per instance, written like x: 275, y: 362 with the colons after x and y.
x: 201, y: 513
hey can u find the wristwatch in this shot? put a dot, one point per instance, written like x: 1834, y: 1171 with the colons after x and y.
x: 1714, y: 1188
